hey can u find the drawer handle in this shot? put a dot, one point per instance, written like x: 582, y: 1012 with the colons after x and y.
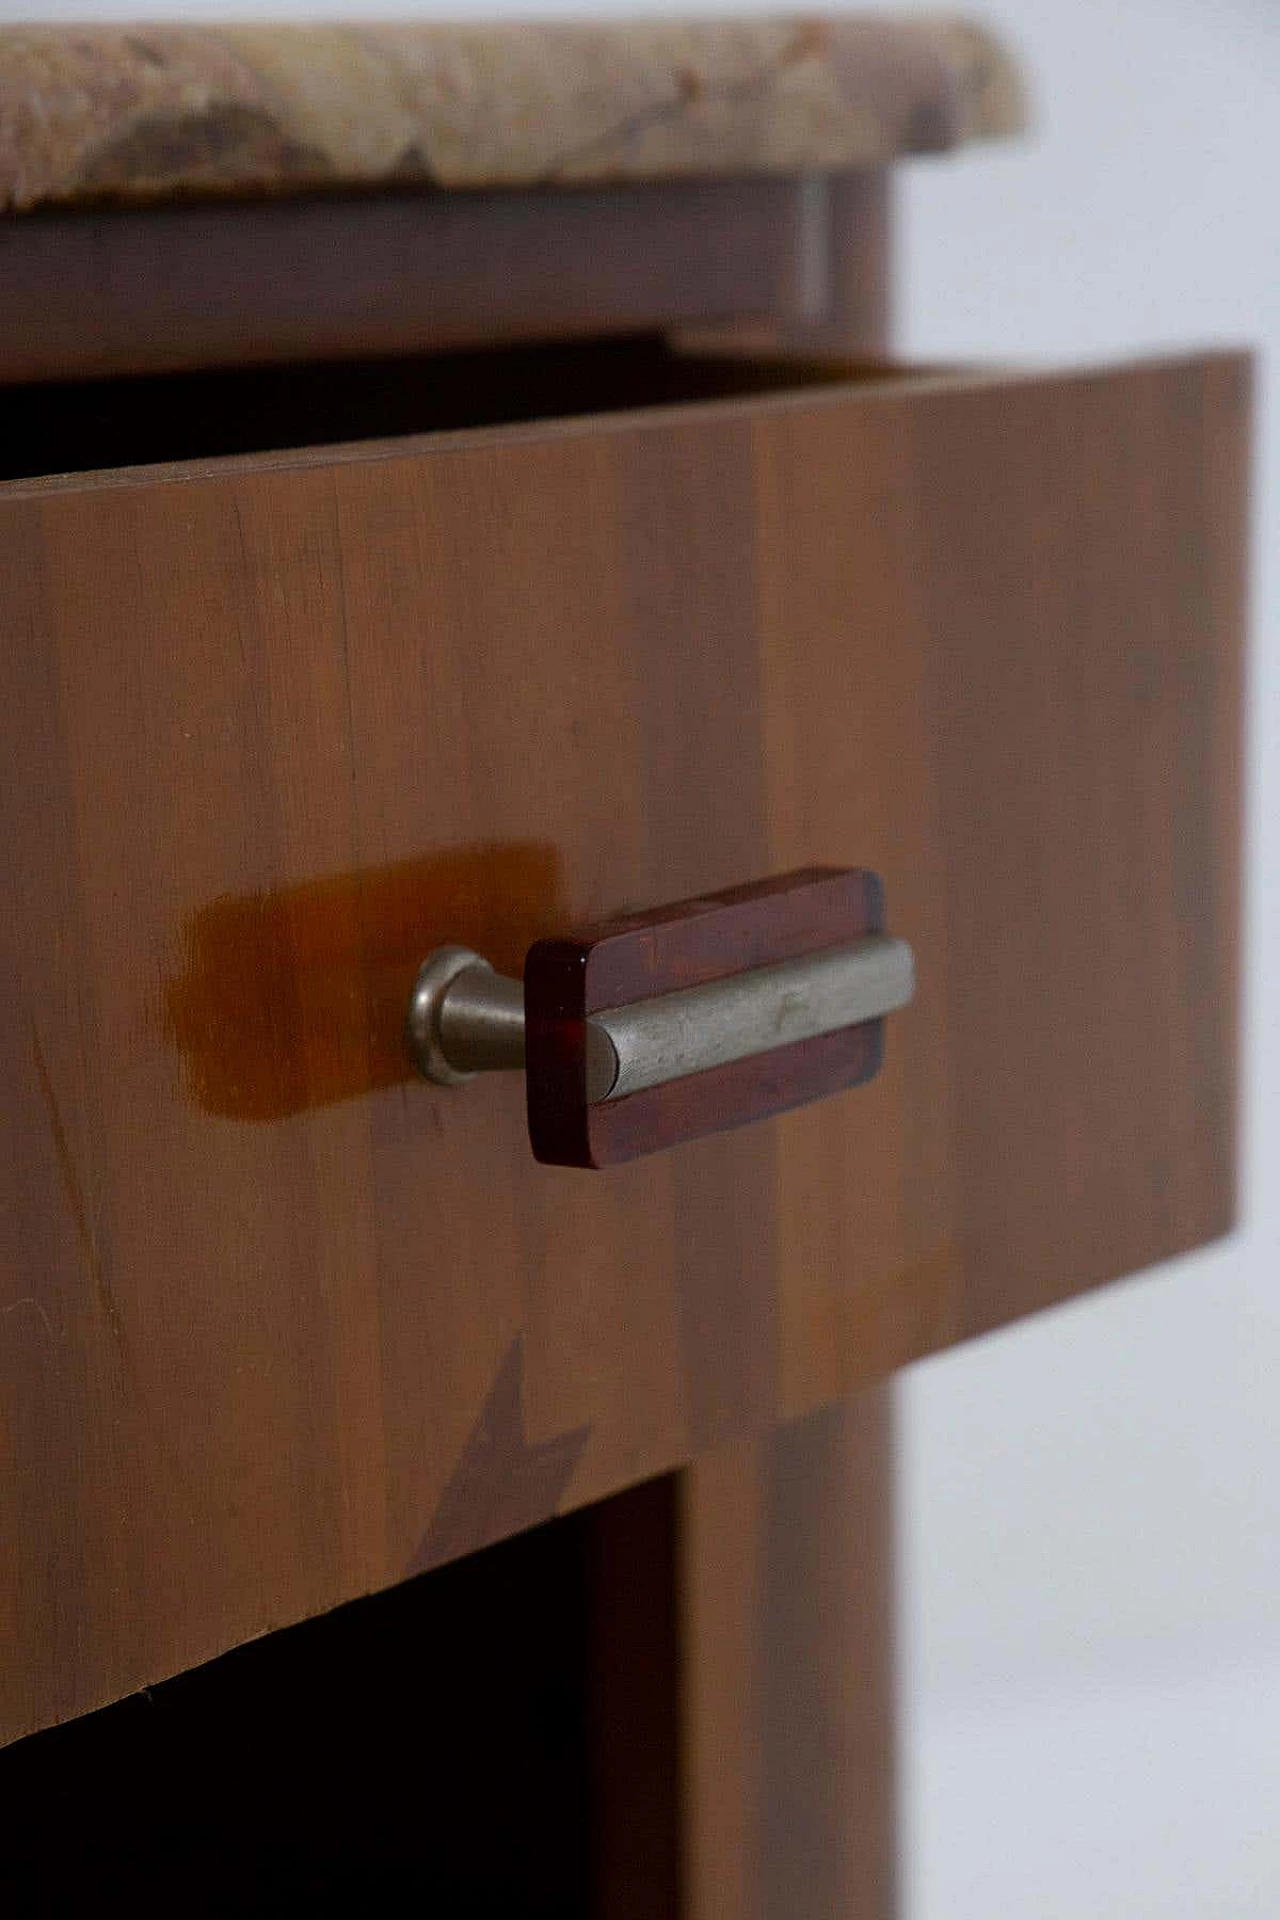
x: 638, y: 1033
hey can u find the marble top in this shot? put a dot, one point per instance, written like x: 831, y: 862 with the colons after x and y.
x: 93, y: 115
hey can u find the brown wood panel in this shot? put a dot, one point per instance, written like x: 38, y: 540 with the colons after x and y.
x: 786, y: 1671
x: 260, y: 1355
x: 1036, y: 642
x: 88, y: 294
x: 841, y: 288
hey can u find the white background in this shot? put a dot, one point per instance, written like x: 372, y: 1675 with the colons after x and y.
x: 1091, y: 1503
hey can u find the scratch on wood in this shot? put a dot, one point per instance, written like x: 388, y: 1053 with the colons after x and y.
x: 346, y: 650
x: 29, y: 1300
x: 75, y: 1199
x: 242, y: 541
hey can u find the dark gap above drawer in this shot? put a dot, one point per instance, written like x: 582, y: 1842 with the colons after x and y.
x: 76, y: 426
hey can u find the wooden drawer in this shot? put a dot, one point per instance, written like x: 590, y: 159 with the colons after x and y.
x: 280, y: 1324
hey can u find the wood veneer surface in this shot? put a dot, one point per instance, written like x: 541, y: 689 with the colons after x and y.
x: 85, y: 294
x: 787, y: 1682
x: 279, y: 1325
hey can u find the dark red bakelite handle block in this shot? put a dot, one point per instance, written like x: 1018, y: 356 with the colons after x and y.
x: 618, y: 961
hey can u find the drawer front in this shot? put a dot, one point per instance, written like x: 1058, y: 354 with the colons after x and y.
x: 280, y: 1324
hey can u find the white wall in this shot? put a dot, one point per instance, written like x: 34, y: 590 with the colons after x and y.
x: 1092, y: 1502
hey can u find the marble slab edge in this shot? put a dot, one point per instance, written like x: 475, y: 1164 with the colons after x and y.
x: 154, y: 112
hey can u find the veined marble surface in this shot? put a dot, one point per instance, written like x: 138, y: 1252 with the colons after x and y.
x: 154, y: 112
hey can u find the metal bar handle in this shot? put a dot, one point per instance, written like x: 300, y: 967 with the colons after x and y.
x: 643, y: 1032
x: 466, y: 1019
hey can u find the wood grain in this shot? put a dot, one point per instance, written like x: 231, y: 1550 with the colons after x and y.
x: 842, y: 288
x: 981, y: 636
x: 787, y: 1684
x: 688, y: 944
x: 93, y: 294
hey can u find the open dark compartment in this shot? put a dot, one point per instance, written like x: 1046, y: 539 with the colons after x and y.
x: 494, y: 1738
